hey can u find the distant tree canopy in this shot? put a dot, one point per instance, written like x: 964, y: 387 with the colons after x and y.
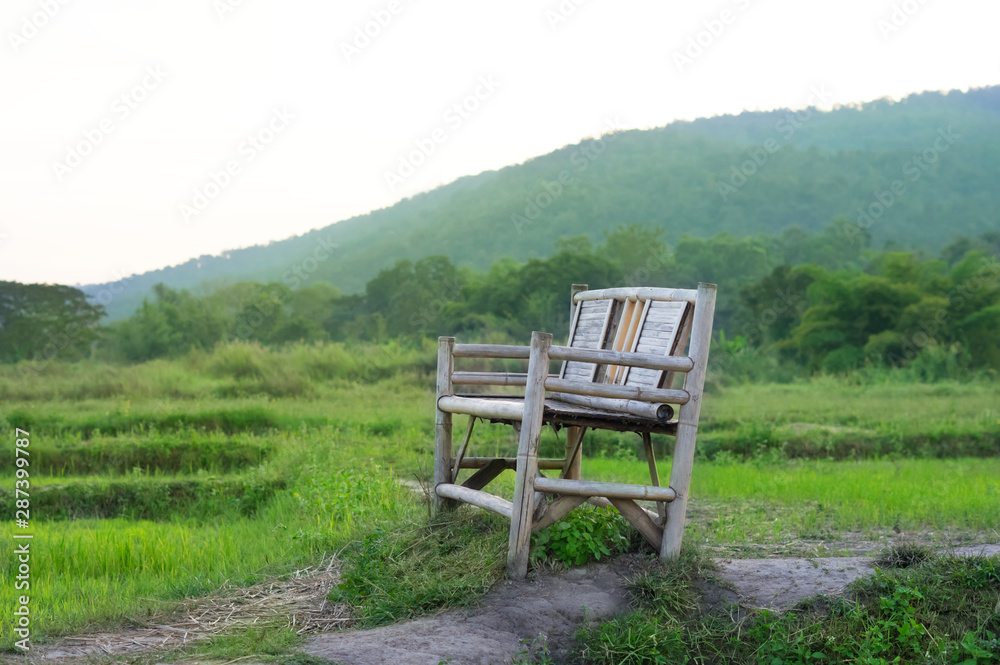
x: 819, y: 301
x: 45, y: 322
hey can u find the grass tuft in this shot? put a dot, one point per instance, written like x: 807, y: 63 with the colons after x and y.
x: 404, y: 572
x: 904, y: 555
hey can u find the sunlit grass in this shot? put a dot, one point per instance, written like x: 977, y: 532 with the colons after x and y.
x: 806, y: 495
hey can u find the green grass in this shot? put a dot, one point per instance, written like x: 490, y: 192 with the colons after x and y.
x: 451, y: 561
x: 189, y: 451
x: 940, y: 610
x: 310, y: 435
x: 804, y: 496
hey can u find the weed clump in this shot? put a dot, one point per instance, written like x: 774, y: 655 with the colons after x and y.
x: 904, y: 555
x: 398, y: 573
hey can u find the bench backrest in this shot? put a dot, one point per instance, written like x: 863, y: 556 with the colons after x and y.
x: 642, y: 320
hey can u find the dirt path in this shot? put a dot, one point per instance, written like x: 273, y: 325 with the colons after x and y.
x: 510, y: 617
x: 500, y: 627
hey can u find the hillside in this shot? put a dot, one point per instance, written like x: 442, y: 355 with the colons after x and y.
x: 798, y: 169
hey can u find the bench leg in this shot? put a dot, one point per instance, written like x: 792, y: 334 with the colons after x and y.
x: 442, y: 422
x: 527, y: 457
x: 687, y: 422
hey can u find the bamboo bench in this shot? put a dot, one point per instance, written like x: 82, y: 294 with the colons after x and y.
x: 617, y: 373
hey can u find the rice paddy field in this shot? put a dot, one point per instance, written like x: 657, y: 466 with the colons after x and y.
x: 152, y: 484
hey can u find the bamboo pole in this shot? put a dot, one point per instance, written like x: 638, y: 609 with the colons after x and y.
x: 687, y: 425
x: 493, y: 409
x: 549, y: 463
x: 617, y: 392
x: 558, y: 509
x: 477, y: 498
x: 573, y: 291
x: 491, y: 351
x: 650, y: 410
x: 640, y: 293
x: 527, y: 457
x: 654, y: 474
x: 638, y: 517
x: 596, y: 488
x: 485, y: 475
x: 462, y: 449
x: 624, y: 358
x: 572, y: 465
x: 442, y: 420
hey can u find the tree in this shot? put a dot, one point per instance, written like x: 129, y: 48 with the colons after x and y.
x: 46, y: 322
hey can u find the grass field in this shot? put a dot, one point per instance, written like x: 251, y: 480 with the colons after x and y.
x: 156, y: 483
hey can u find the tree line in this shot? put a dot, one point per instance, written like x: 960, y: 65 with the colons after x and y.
x: 819, y: 301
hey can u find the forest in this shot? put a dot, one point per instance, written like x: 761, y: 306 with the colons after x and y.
x: 796, y: 304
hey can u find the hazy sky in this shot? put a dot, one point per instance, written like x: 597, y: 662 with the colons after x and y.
x: 139, y: 134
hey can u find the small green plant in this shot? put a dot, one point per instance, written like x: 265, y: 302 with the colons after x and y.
x: 584, y: 535
x: 536, y: 653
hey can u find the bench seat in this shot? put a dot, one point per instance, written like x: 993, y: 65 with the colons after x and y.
x: 508, y: 409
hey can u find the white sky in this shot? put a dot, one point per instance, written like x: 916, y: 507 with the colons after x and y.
x: 118, y: 210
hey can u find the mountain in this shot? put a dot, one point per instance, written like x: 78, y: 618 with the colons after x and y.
x: 915, y: 173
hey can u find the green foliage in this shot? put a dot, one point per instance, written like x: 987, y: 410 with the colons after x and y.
x: 45, y: 322
x: 586, y: 534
